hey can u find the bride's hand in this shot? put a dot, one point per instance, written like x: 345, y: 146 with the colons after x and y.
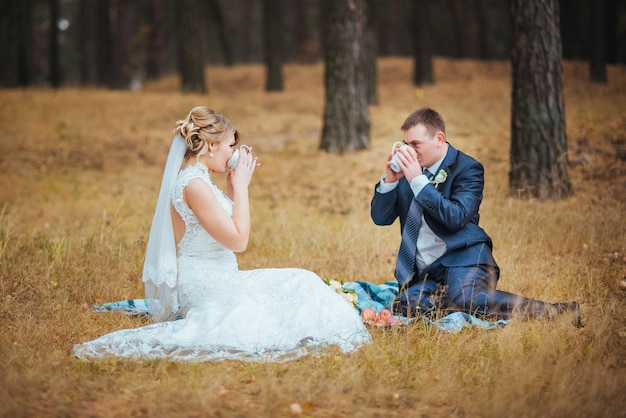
x: 242, y: 175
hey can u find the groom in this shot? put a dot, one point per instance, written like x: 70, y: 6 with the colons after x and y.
x: 445, y: 260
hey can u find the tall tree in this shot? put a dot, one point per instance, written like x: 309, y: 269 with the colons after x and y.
x: 249, y: 45
x: 104, y: 50
x: 574, y: 28
x: 86, y: 40
x: 217, y: 18
x: 305, y: 30
x: 422, y: 52
x: 122, y: 40
x: 538, y: 138
x: 370, y: 48
x: 189, y: 37
x: 597, y: 33
x: 10, y: 41
x: 54, y: 76
x: 346, y: 115
x: 483, y: 50
x: 17, y: 56
x: 396, y: 33
x: 272, y: 32
x: 25, y: 56
x: 615, y: 35
x: 156, y: 23
x: 458, y: 14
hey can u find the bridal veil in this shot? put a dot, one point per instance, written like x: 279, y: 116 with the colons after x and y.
x: 160, y: 270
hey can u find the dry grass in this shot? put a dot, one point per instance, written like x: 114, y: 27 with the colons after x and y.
x: 80, y: 171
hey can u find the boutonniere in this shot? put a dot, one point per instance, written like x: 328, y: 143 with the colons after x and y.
x: 439, y: 178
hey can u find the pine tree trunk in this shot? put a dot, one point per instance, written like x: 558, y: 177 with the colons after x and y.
x: 538, y: 139
x: 370, y: 50
x: 156, y: 10
x: 307, y: 46
x: 422, y: 56
x: 217, y: 17
x: 10, y: 39
x: 614, y: 35
x: 87, y: 43
x: 346, y: 116
x: 122, y: 35
x: 190, y: 62
x: 104, y: 48
x: 459, y: 24
x: 483, y: 50
x: 597, y: 32
x: 272, y: 31
x: 54, y: 76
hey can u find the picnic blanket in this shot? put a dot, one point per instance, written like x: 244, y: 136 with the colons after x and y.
x: 370, y: 295
x: 132, y: 307
x: 381, y: 296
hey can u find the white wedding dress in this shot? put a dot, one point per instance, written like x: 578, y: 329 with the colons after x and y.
x: 252, y: 315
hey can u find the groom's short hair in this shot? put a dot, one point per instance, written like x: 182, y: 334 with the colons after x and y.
x: 431, y: 119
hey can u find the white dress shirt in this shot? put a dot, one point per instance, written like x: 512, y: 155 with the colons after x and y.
x: 429, y: 246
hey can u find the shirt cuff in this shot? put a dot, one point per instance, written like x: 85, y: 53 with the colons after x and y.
x: 385, y: 187
x: 418, y: 184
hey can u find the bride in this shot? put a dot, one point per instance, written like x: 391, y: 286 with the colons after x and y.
x: 203, y: 306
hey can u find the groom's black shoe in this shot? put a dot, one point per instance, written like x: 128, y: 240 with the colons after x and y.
x: 567, y: 307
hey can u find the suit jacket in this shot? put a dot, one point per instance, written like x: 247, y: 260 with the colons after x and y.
x: 450, y: 210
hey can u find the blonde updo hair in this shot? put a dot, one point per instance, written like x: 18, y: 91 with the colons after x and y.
x: 202, y: 127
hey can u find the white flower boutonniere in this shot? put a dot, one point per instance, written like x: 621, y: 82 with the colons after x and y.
x: 439, y: 178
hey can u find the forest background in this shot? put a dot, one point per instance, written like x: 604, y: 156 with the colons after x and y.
x: 79, y: 176
x: 122, y: 43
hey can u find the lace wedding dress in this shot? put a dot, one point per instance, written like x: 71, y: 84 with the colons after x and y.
x: 252, y: 315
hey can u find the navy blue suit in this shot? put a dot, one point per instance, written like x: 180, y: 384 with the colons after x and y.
x: 465, y: 277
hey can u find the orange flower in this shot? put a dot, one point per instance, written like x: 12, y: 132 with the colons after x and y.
x: 382, y: 318
x: 368, y: 315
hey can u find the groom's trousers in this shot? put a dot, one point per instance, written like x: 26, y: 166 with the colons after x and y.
x: 472, y: 289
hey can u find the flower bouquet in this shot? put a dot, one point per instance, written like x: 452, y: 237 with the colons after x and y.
x: 383, y: 318
x: 349, y: 295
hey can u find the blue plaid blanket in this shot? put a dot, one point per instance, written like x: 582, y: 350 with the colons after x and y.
x: 132, y: 307
x: 381, y: 296
x: 375, y: 296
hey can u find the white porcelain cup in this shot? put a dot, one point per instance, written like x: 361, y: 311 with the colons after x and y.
x: 234, y: 160
x: 394, y: 160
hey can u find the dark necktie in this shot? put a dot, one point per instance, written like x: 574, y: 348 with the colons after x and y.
x: 405, y: 266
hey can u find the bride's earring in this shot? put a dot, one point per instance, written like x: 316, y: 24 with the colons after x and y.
x: 210, y: 155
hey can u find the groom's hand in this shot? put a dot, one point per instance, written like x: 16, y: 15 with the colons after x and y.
x: 390, y: 175
x: 409, y: 163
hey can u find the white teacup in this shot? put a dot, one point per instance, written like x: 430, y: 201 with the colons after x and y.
x: 234, y: 160
x: 394, y: 160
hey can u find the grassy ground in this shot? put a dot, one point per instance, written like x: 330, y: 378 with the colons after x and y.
x: 79, y: 178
